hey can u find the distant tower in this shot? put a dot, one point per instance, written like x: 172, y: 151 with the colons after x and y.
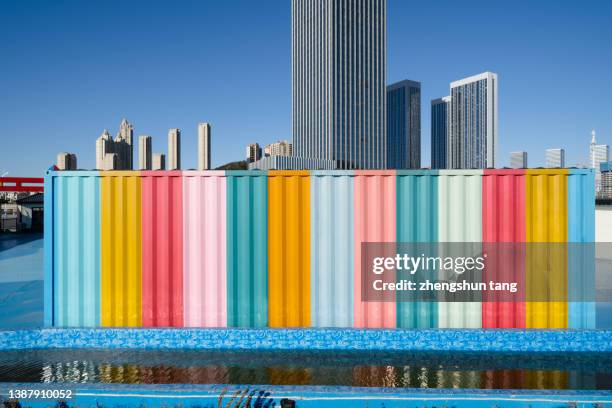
x: 555, y: 158
x: 66, y: 161
x: 518, y: 160
x: 144, y: 153
x: 404, y: 125
x: 126, y: 151
x: 104, y: 145
x: 253, y: 152
x: 159, y: 161
x: 280, y: 148
x: 599, y: 153
x: 440, y: 112
x: 203, y: 146
x: 121, y: 146
x: 174, y: 149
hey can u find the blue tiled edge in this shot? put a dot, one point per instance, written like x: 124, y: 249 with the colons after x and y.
x: 314, y: 339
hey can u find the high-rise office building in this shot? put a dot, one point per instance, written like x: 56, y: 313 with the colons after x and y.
x: 605, y: 190
x: 159, y: 161
x: 599, y: 153
x: 253, y: 152
x: 121, y: 146
x: 473, y: 122
x: 280, y: 148
x: 144, y: 153
x: 204, y: 146
x: 440, y: 112
x: 174, y: 149
x: 404, y: 125
x: 66, y: 161
x: 555, y: 158
x: 339, y: 64
x: 518, y: 160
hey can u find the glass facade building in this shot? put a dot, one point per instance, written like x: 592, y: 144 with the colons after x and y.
x: 440, y: 110
x: 338, y: 81
x: 473, y: 119
x: 404, y: 125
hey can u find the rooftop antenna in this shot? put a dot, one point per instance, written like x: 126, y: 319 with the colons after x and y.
x: 593, y: 137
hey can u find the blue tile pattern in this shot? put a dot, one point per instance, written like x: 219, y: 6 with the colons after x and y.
x: 314, y: 339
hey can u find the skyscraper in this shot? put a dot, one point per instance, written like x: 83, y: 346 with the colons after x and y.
x: 66, y: 161
x: 203, y: 146
x: 555, y: 158
x: 253, y: 152
x: 121, y: 146
x: 144, y: 153
x: 159, y: 161
x: 599, y: 153
x: 174, y: 149
x: 280, y: 148
x: 339, y: 64
x: 473, y: 122
x: 404, y: 125
x: 440, y: 111
x: 518, y: 160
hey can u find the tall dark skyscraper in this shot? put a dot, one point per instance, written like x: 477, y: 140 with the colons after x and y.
x: 404, y: 125
x: 339, y: 64
x: 440, y: 111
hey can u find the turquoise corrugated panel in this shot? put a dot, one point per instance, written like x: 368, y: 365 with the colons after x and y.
x: 460, y: 221
x: 417, y: 221
x: 332, y: 253
x: 247, y: 248
x: 581, y: 251
x: 76, y: 249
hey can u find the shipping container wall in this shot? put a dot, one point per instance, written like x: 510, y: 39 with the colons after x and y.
x: 332, y: 248
x: 75, y: 197
x: 204, y: 209
x: 289, y: 248
x: 417, y: 221
x: 546, y: 222
x: 375, y: 201
x: 247, y: 249
x: 581, y: 235
x: 162, y: 248
x: 121, y: 267
x: 460, y: 221
x: 503, y: 221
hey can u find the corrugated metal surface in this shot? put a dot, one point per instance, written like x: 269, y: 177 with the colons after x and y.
x: 332, y: 247
x: 546, y: 222
x: 204, y: 209
x: 247, y: 249
x: 375, y: 201
x: 503, y: 220
x: 121, y: 248
x: 289, y: 248
x: 417, y: 221
x: 581, y: 266
x: 460, y: 220
x: 76, y: 238
x: 162, y: 248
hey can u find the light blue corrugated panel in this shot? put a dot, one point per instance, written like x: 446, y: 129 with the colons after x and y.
x: 417, y: 221
x: 332, y: 253
x: 581, y: 251
x: 76, y: 249
x: 460, y: 223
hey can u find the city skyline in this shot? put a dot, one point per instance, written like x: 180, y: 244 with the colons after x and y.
x: 62, y: 109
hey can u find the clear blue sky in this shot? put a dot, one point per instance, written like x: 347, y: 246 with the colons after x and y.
x: 69, y: 69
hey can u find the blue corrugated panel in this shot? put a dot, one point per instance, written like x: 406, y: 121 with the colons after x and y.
x: 48, y: 247
x: 76, y: 249
x: 581, y: 251
x: 417, y: 221
x: 332, y: 252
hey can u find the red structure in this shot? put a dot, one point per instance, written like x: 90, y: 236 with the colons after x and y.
x: 21, y: 184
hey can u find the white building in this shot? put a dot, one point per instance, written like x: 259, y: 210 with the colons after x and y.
x: 159, y: 161
x: 518, y: 160
x: 204, y: 146
x: 121, y: 146
x: 555, y: 158
x: 473, y: 122
x: 66, y: 161
x: 599, y: 153
x: 174, y: 149
x: 144, y: 153
x: 280, y: 148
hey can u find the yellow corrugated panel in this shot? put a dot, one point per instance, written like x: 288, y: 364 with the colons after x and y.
x: 121, y: 249
x: 546, y: 222
x: 289, y: 249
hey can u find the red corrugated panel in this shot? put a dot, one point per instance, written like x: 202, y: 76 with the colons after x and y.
x: 503, y: 221
x: 162, y: 249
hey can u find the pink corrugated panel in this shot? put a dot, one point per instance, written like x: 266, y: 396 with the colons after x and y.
x: 374, y: 222
x: 204, y: 204
x: 162, y: 249
x: 503, y: 221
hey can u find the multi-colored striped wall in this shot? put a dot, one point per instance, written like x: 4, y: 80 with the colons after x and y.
x: 283, y: 248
